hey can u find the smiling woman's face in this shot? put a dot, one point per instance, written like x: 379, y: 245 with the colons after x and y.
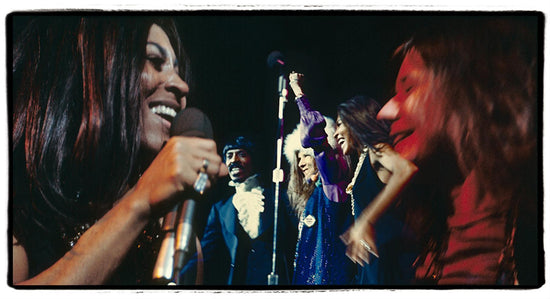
x: 307, y: 165
x: 414, y: 110
x: 342, y: 136
x: 163, y: 88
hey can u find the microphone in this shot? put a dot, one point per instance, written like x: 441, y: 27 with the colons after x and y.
x: 190, y: 122
x: 276, y: 58
x: 162, y: 273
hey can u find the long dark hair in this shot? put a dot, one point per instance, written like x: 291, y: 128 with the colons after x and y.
x: 487, y: 72
x: 76, y: 122
x: 359, y: 115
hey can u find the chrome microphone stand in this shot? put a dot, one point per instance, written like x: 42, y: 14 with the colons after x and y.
x: 164, y: 267
x: 278, y: 175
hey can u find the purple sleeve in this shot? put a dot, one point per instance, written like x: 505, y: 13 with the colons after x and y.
x: 332, y: 167
x: 313, y: 123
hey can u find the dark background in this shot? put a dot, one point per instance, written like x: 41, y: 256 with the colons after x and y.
x: 341, y: 53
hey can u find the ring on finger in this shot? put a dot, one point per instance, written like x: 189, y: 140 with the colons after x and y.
x: 202, y: 177
x: 365, y: 245
x: 204, y: 166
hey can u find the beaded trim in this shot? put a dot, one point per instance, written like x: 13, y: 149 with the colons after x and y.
x: 300, y: 227
x: 349, y: 189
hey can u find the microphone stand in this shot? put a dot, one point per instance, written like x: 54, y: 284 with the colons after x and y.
x: 278, y: 175
x: 183, y: 238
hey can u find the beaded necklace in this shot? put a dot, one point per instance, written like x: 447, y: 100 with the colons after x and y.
x: 349, y: 189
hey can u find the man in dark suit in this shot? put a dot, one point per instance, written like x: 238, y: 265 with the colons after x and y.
x: 237, y: 242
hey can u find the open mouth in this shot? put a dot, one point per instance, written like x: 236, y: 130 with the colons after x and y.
x: 235, y: 169
x: 165, y: 112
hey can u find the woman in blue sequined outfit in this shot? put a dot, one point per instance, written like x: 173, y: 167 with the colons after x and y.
x: 320, y: 256
x: 379, y: 175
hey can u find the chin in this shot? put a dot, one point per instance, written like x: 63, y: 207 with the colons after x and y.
x: 153, y: 145
x: 237, y: 179
x: 345, y: 149
x: 407, y: 150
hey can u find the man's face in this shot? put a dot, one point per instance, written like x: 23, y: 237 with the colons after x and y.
x: 414, y: 111
x: 239, y: 163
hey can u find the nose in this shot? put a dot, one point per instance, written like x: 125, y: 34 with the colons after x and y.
x: 389, y: 111
x: 176, y: 85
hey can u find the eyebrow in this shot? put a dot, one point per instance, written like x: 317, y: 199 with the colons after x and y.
x: 163, y: 52
x: 231, y: 151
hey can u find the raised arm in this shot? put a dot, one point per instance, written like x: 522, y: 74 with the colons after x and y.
x: 332, y: 167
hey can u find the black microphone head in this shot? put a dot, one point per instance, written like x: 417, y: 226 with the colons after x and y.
x: 191, y: 122
x: 275, y: 58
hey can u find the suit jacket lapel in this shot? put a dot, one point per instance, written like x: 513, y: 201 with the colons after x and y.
x: 266, y: 218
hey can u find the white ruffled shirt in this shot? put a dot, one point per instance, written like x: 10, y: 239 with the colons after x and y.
x: 249, y: 202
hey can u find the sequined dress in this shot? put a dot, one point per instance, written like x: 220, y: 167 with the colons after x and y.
x: 320, y: 254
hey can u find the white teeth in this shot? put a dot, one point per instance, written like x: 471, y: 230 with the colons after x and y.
x: 161, y: 109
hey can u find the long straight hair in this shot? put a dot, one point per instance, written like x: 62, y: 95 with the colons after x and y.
x: 359, y: 115
x: 486, y: 70
x: 76, y: 122
x: 487, y: 83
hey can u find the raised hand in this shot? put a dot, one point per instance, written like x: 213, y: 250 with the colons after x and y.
x: 295, y: 81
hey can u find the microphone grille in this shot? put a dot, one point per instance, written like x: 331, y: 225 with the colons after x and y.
x: 192, y: 122
x: 275, y: 58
